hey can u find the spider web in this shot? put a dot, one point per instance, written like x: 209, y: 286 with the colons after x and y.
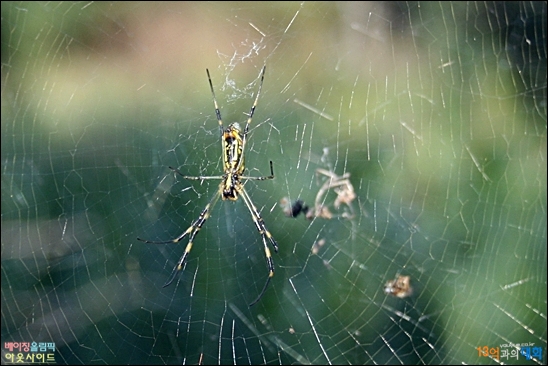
x: 433, y: 114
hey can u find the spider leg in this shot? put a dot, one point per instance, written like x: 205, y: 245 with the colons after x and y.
x: 265, y: 234
x: 250, y: 116
x: 175, y: 170
x: 192, y: 231
x: 271, y: 176
x: 217, y: 110
x: 252, y: 110
x: 258, y: 220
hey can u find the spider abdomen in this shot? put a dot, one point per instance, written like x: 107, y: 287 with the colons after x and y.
x: 233, y: 149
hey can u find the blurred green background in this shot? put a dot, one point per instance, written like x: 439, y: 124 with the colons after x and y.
x: 437, y: 111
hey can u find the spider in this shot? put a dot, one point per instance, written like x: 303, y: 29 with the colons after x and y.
x: 399, y: 287
x: 233, y: 142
